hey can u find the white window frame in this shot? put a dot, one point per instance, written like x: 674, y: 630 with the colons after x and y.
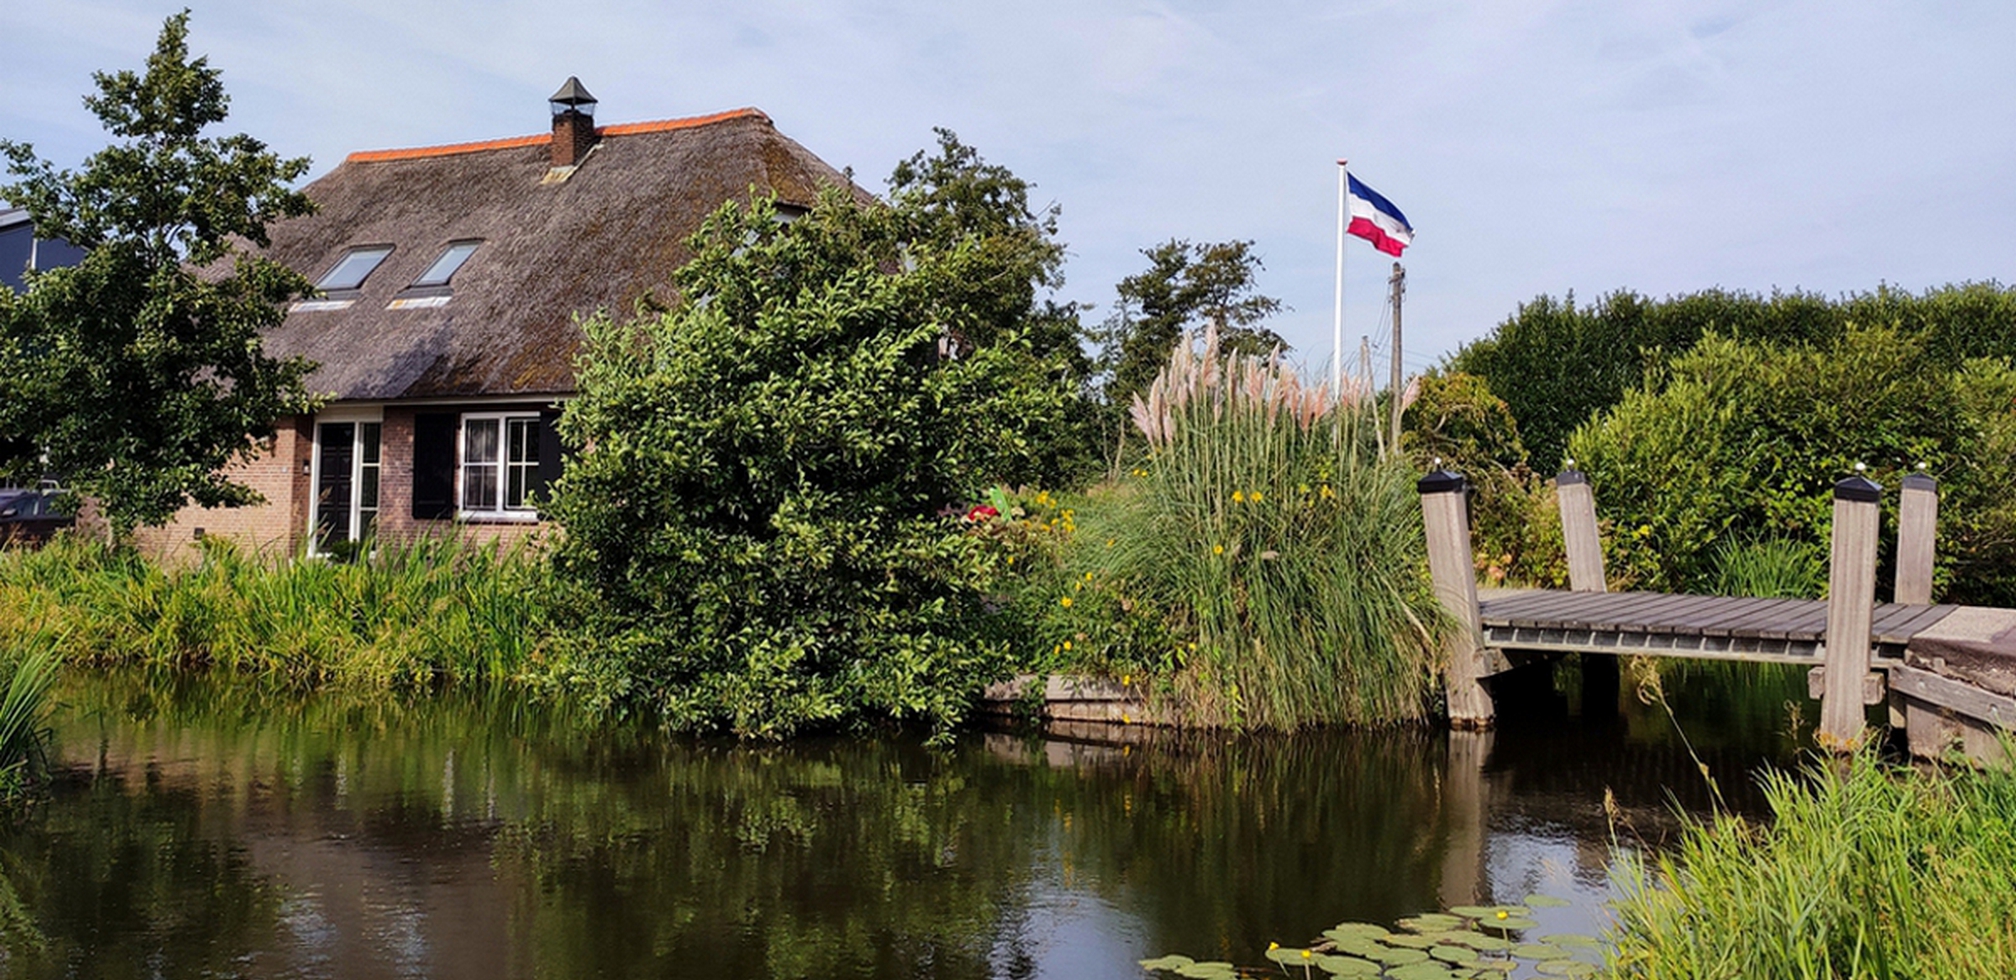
x: 525, y: 513
x: 358, y: 419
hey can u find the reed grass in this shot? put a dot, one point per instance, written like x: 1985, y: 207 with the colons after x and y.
x: 26, y: 674
x: 417, y: 612
x: 1769, y: 568
x: 1272, y: 532
x: 1875, y: 871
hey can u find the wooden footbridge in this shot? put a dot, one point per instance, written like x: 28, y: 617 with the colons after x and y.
x: 1948, y: 673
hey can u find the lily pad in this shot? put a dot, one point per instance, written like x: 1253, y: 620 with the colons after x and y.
x: 1421, y: 971
x: 1431, y: 922
x: 1347, y: 966
x: 1474, y: 911
x: 1365, y: 929
x: 1212, y: 970
x: 1546, y: 902
x: 1539, y: 951
x: 1401, y: 957
x: 1512, y: 923
x: 1171, y: 962
x: 1454, y: 954
x: 1477, y: 941
x: 1566, y: 968
x: 1573, y: 940
x: 1410, y: 941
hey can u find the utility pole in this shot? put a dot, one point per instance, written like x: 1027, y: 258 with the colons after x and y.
x: 1399, y: 284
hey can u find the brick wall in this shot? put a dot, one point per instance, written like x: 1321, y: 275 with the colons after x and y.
x: 277, y: 526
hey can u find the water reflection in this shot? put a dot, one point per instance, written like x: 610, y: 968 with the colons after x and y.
x: 211, y: 831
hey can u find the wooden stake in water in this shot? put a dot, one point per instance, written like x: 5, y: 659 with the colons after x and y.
x: 1446, y: 519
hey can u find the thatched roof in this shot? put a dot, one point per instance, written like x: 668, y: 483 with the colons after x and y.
x: 610, y: 233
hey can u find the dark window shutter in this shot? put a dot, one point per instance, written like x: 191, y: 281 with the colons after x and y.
x: 434, y: 465
x: 552, y: 458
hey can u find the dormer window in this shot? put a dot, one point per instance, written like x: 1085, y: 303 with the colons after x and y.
x: 444, y: 268
x: 351, y: 271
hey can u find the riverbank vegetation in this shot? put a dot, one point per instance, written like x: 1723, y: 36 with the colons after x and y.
x: 1876, y: 872
x: 412, y: 614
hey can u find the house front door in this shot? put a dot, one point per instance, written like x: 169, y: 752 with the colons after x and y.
x: 346, y: 483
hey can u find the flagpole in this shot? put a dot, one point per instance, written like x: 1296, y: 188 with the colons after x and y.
x: 1337, y: 325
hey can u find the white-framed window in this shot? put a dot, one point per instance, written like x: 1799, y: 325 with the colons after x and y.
x: 497, y: 466
x: 344, y: 478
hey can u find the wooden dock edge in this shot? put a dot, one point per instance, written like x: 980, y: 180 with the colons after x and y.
x: 1075, y: 699
x: 1942, y: 715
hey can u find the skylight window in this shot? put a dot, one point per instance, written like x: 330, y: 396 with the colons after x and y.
x: 355, y: 265
x: 444, y: 267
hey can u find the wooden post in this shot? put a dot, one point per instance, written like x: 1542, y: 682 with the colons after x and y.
x: 1446, y: 519
x: 1578, y: 531
x: 1851, y: 602
x: 1917, y: 527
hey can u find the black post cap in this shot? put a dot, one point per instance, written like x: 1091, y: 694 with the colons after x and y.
x: 1921, y: 481
x: 1569, y: 477
x: 1441, y: 481
x: 1858, y: 488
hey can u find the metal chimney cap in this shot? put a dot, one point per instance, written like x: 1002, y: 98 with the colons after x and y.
x: 572, y: 95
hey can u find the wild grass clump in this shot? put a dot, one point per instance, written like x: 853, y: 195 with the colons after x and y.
x: 1280, y: 547
x: 26, y: 673
x: 1769, y: 568
x: 1876, y: 872
x: 410, y: 613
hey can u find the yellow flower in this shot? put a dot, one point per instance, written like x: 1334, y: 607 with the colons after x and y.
x: 1327, y: 494
x: 1088, y: 576
x: 1065, y: 602
x: 1067, y: 644
x: 1306, y: 954
x: 1256, y: 497
x: 1504, y: 914
x: 1126, y: 679
x: 1238, y: 498
x: 1273, y: 945
x: 1217, y: 549
x: 1109, y: 542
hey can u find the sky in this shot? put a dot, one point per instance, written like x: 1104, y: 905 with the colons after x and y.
x: 1537, y: 148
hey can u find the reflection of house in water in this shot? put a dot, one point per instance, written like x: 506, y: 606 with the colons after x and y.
x: 22, y: 251
x: 401, y: 888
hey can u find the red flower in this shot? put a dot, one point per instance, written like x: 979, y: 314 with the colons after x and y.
x: 980, y: 513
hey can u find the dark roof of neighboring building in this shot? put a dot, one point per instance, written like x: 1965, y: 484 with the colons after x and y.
x: 610, y: 234
x: 22, y: 250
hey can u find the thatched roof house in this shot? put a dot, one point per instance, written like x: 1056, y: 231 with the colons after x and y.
x: 451, y: 278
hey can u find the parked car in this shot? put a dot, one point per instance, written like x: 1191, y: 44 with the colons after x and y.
x: 30, y: 517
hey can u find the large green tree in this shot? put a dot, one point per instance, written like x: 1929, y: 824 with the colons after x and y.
x: 1187, y: 286
x: 769, y: 521
x: 137, y: 375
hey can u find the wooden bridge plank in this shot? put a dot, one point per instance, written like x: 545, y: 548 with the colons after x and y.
x: 1539, y: 610
x: 1743, y: 616
x: 1922, y: 618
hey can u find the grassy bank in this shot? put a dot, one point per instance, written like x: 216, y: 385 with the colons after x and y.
x: 416, y: 613
x: 1876, y: 872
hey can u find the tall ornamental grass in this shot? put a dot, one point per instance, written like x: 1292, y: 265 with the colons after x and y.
x: 410, y: 613
x: 1876, y: 872
x: 26, y: 674
x: 1276, y: 537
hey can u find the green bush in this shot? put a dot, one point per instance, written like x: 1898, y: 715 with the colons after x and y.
x: 1263, y: 562
x: 770, y: 520
x: 1557, y: 364
x: 1745, y: 439
x: 1457, y: 423
x: 1876, y: 872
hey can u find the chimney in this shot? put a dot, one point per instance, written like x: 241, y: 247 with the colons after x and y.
x: 573, y: 123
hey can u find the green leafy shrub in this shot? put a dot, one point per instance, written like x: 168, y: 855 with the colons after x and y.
x: 1745, y: 439
x: 1456, y: 422
x: 770, y: 520
x: 1556, y: 364
x: 1263, y: 561
x: 1770, y: 568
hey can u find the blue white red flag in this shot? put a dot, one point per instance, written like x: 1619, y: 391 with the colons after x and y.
x: 1375, y: 219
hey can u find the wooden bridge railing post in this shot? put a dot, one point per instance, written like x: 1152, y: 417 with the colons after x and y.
x: 1917, y: 529
x: 1578, y: 531
x: 1445, y: 517
x: 1851, y: 603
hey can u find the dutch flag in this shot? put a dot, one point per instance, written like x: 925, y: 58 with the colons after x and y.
x: 1375, y: 219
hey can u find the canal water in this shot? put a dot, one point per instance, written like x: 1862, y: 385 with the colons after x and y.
x: 217, y: 831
